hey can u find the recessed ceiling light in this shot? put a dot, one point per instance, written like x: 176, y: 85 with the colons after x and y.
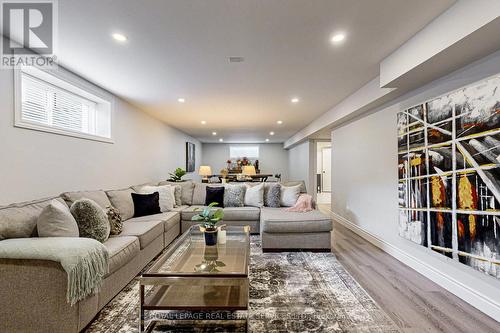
x: 221, y: 140
x: 267, y: 140
x: 279, y: 122
x: 271, y: 133
x: 119, y: 37
x: 181, y: 100
x: 203, y: 122
x: 214, y: 133
x: 338, y: 37
x: 295, y: 100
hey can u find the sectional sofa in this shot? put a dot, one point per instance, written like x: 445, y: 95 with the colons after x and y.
x: 33, y: 292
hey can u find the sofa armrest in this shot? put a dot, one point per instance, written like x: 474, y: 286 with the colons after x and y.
x: 33, y: 297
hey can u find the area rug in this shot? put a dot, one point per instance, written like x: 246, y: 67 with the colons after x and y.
x: 289, y: 292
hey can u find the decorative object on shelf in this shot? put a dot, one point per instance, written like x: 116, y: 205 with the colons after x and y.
x: 449, y: 176
x: 256, y: 164
x: 221, y: 234
x: 205, y: 171
x: 177, y: 175
x: 190, y: 157
x: 209, y: 217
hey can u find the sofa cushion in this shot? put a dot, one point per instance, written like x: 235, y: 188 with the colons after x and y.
x: 187, y: 190
x: 171, y: 220
x: 99, y: 197
x: 122, y: 200
x: 56, y: 220
x: 19, y: 220
x: 241, y: 213
x: 199, y: 193
x: 278, y: 220
x: 146, y: 228
x: 302, y: 184
x: 136, y: 188
x: 254, y: 195
x: 230, y: 213
x: 121, y: 250
x: 180, y: 208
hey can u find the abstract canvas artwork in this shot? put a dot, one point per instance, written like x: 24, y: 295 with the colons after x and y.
x: 449, y: 175
x: 190, y: 157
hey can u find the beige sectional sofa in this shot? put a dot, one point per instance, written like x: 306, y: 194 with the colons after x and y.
x: 33, y: 292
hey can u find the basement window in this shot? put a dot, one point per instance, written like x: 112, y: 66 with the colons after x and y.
x: 243, y: 151
x: 60, y: 103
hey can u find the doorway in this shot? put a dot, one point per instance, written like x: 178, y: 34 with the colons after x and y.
x: 323, y: 173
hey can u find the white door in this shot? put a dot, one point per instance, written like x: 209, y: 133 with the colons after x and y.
x: 327, y: 169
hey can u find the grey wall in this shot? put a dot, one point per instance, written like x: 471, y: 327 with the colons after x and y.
x: 35, y: 164
x: 365, y: 178
x: 302, y: 165
x: 273, y: 158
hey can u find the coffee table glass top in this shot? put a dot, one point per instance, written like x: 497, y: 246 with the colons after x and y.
x: 189, y: 256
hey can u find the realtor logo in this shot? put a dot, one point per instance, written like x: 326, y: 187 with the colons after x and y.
x: 29, y: 30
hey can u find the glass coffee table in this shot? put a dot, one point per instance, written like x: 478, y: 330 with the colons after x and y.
x: 194, y: 282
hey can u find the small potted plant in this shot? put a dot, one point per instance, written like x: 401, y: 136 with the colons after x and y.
x: 209, y: 217
x: 177, y: 175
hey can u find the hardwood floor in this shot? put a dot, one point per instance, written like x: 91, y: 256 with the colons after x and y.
x: 415, y: 303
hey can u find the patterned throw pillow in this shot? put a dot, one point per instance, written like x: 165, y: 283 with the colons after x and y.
x: 272, y: 195
x: 115, y: 220
x: 177, y: 190
x: 234, y: 195
x: 91, y: 219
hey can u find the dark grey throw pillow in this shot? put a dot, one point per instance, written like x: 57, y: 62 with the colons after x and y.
x: 91, y: 219
x: 272, y: 195
x: 234, y: 195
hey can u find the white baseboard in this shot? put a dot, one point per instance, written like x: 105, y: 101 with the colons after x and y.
x: 471, y: 296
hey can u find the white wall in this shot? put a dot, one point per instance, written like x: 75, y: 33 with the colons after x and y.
x: 301, y: 164
x: 35, y: 164
x: 364, y: 188
x: 273, y: 158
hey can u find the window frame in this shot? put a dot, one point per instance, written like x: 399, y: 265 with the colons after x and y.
x: 64, y: 80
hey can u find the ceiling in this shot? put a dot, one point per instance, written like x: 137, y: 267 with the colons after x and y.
x: 180, y: 49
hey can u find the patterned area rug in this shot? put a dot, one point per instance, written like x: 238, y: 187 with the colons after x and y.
x: 289, y: 292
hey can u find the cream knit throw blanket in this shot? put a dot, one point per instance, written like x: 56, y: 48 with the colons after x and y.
x: 85, y: 260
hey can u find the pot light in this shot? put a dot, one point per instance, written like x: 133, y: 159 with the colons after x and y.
x: 337, y: 38
x: 181, y: 100
x: 271, y: 133
x: 214, y: 133
x: 267, y: 140
x: 295, y: 100
x: 279, y: 122
x: 203, y: 122
x: 221, y: 140
x: 119, y: 37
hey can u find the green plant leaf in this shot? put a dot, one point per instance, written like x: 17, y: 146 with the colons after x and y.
x: 219, y: 214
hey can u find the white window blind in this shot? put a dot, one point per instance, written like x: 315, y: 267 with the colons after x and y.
x: 243, y: 151
x: 51, y: 106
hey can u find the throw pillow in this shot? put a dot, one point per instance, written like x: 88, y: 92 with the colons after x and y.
x: 234, y: 195
x: 146, y: 204
x: 289, y: 195
x: 215, y: 194
x: 56, y: 220
x: 254, y: 195
x: 187, y: 188
x: 115, y: 220
x: 167, y: 199
x: 177, y: 191
x: 91, y: 219
x: 200, y: 193
x: 272, y: 193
